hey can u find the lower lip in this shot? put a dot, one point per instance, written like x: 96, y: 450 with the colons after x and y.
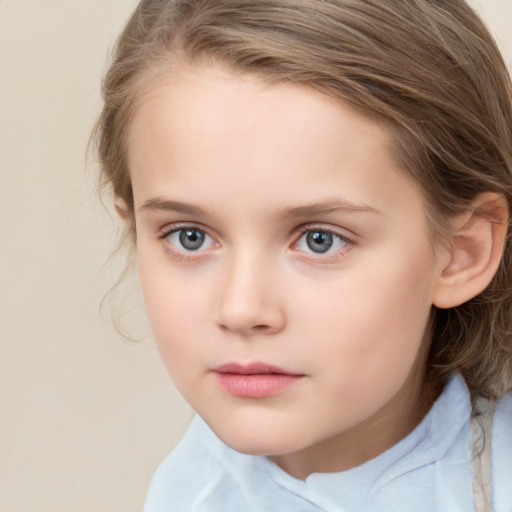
x: 256, y: 385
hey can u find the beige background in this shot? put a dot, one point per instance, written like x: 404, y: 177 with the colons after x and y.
x: 85, y: 415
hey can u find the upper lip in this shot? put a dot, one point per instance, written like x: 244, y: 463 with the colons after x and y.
x: 252, y: 369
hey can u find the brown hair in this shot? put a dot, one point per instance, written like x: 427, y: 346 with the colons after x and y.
x: 429, y: 68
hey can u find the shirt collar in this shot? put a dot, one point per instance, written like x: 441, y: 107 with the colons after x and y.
x: 429, y: 442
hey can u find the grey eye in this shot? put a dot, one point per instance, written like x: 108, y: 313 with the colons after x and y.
x: 319, y: 241
x: 191, y: 239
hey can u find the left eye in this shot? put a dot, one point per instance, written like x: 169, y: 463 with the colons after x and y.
x: 320, y: 242
x: 190, y: 239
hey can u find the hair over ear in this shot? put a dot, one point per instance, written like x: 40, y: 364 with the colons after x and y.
x: 475, y: 251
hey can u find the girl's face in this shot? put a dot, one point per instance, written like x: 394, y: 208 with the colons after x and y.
x: 286, y: 266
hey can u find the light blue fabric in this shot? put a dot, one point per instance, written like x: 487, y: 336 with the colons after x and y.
x: 428, y: 471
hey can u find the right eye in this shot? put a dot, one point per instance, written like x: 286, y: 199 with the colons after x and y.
x: 189, y: 239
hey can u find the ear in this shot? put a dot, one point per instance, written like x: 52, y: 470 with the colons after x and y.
x: 122, y: 209
x: 474, y: 252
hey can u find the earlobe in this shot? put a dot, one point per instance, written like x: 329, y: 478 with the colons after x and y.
x: 475, y: 251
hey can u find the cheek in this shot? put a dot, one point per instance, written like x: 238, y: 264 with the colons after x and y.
x: 374, y: 319
x: 174, y: 310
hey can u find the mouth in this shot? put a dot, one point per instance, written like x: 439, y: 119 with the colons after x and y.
x: 255, y: 380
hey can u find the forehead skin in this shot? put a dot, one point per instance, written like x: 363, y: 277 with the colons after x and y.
x: 314, y: 136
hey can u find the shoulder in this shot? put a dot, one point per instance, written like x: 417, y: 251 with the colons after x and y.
x: 194, y: 475
x: 502, y: 453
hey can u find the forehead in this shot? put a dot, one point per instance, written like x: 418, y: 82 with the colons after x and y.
x: 208, y: 98
x: 210, y: 133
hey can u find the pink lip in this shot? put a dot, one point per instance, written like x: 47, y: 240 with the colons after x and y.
x: 255, y: 380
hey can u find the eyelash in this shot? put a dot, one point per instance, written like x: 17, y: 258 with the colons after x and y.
x: 326, y: 257
x: 176, y: 253
x: 184, y: 255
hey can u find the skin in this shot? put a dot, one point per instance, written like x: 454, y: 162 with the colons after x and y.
x: 244, y: 161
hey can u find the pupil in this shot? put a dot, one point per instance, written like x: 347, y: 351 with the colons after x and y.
x: 319, y: 241
x: 191, y: 239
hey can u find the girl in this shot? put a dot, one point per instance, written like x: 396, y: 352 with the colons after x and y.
x: 319, y: 196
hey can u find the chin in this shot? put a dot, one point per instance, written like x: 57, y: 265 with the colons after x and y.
x: 263, y: 447
x: 257, y: 439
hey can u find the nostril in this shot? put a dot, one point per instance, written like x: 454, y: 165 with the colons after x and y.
x: 260, y: 327
x: 254, y: 328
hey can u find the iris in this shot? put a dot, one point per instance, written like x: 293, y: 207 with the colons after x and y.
x: 319, y: 241
x: 191, y: 239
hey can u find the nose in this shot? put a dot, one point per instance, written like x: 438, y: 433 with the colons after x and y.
x: 250, y: 298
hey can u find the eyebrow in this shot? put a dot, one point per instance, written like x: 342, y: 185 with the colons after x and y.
x: 324, y: 208
x: 160, y: 204
x: 310, y: 210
